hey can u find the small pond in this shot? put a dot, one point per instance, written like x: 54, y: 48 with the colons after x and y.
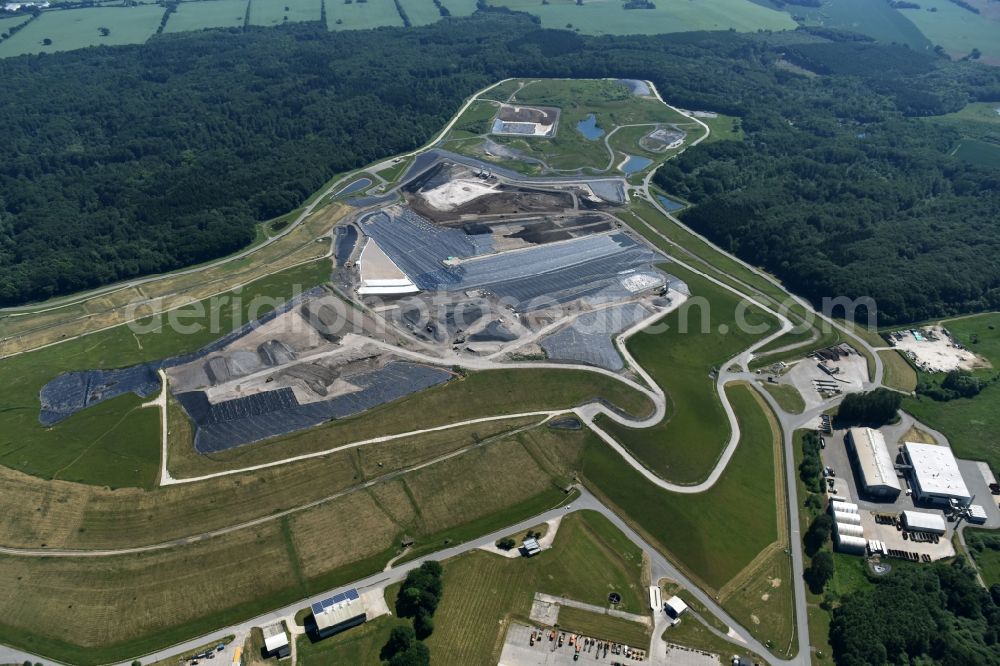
x: 635, y: 164
x: 588, y: 127
x: 670, y: 204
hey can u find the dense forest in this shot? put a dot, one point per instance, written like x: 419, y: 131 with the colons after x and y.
x: 130, y: 160
x: 930, y: 615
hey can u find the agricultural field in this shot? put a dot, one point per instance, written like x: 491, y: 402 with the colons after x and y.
x: 421, y: 12
x: 276, y: 12
x: 211, y: 14
x: 875, y: 19
x: 685, y: 446
x: 980, y: 153
x: 958, y: 30
x: 12, y: 22
x: 714, y: 536
x: 116, y: 442
x: 483, y: 592
x: 970, y: 424
x: 604, y: 17
x: 69, y: 29
x: 362, y: 15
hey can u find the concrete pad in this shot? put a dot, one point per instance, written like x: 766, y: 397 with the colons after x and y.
x: 517, y: 651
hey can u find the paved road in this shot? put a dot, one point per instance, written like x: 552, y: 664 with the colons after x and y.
x: 660, y: 568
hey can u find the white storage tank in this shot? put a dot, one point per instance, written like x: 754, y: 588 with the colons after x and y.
x: 849, y: 529
x: 850, y: 518
x: 850, y: 544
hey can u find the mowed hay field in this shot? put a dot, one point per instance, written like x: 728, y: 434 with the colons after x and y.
x: 209, y: 14
x: 57, y: 514
x: 115, y: 607
x: 12, y: 22
x: 483, y: 591
x: 76, y: 28
x: 608, y: 17
x: 899, y: 374
x: 115, y: 443
x: 361, y: 15
x: 970, y: 424
x: 277, y: 12
x: 172, y: 594
x: 685, y: 447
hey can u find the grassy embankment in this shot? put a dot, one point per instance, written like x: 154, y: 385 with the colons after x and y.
x: 701, y: 335
x: 731, y: 538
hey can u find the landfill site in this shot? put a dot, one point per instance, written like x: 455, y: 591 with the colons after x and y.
x: 461, y: 265
x: 477, y: 263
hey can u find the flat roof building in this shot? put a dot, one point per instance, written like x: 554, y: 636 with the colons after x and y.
x: 531, y: 547
x: 276, y: 640
x: 676, y: 606
x: 339, y: 612
x: 935, y: 477
x: 655, y: 599
x: 919, y: 521
x: 874, y: 466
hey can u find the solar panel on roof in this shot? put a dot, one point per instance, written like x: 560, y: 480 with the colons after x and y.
x: 317, y: 607
x: 349, y: 595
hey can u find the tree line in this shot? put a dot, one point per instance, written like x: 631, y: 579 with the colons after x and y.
x: 836, y: 188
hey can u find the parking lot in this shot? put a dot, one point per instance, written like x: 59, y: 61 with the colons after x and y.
x: 518, y: 651
x: 805, y: 374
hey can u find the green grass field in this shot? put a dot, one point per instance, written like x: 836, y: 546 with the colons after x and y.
x: 970, y: 424
x: 608, y: 17
x: 460, y: 7
x: 361, y: 15
x: 210, y: 14
x: 482, y: 592
x: 606, y: 627
x: 984, y: 546
x: 787, y: 396
x: 685, y: 447
x: 875, y: 19
x: 715, y: 535
x: 113, y: 443
x: 956, y: 29
x: 358, y: 647
x: 978, y: 152
x: 71, y: 29
x: 899, y: 374
x: 12, y: 22
x: 421, y: 12
x: 276, y: 12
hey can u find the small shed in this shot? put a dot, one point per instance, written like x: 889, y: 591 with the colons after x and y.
x: 977, y: 514
x: 531, y: 547
x: 675, y: 606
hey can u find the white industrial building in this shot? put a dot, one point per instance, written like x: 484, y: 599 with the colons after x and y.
x: 276, y: 640
x: 934, y: 475
x: 676, y: 606
x: 339, y: 612
x: 847, y: 518
x: 920, y: 521
x: 846, y: 543
x: 875, y: 469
